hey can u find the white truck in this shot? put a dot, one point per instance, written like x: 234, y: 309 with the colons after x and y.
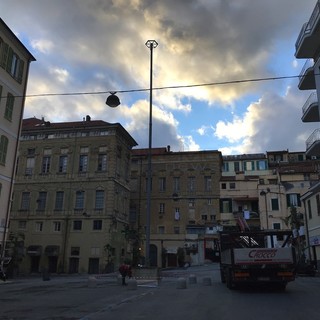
x: 257, y: 257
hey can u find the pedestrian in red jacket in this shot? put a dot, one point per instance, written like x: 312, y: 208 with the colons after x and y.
x: 125, y: 270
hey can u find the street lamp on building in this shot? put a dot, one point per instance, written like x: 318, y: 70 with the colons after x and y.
x: 113, y: 101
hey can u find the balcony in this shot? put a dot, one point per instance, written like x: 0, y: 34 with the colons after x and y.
x: 308, y: 39
x: 310, y: 110
x: 313, y: 144
x: 306, y: 77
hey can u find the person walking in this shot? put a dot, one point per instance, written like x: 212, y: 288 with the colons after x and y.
x: 125, y: 270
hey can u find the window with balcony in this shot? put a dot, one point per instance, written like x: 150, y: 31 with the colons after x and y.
x: 176, y: 184
x: 176, y: 230
x: 9, y: 107
x: 162, y: 184
x: 58, y: 206
x: 30, y: 166
x: 79, y: 205
x: 102, y: 162
x: 83, y: 163
x: 99, y: 200
x: 236, y: 165
x: 207, y: 183
x: 3, y: 149
x: 293, y: 200
x: 25, y: 201
x: 42, y: 199
x: 46, y: 161
x: 63, y: 163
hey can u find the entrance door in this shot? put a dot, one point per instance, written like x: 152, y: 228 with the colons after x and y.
x: 153, y: 255
x: 74, y: 265
x: 93, y: 265
x: 52, y: 264
x: 34, y: 264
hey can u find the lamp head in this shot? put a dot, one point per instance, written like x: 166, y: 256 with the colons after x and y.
x: 113, y: 101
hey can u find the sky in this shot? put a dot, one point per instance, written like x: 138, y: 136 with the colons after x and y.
x: 206, y: 51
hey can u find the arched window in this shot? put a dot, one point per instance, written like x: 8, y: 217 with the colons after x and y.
x: 3, y: 149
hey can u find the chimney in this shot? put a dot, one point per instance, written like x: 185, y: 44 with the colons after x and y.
x: 88, y: 118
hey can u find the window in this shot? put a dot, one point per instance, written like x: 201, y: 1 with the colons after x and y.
x: 177, y: 214
x: 102, y: 162
x: 276, y: 226
x: 223, y: 186
x: 79, y: 200
x: 191, y: 184
x: 9, y: 107
x: 274, y: 204
x: 83, y: 163
x: 207, y: 183
x: 225, y: 167
x: 42, y: 200
x: 318, y: 203
x: 45, y: 164
x: 39, y: 226
x: 232, y: 185
x: 22, y: 224
x: 97, y: 224
x: 30, y: 166
x: 25, y: 201
x: 63, y: 162
x: 162, y: 184
x: 161, y: 229
x: 249, y: 166
x: 59, y: 201
x: 95, y: 251
x: 161, y: 208
x: 262, y: 165
x: 237, y: 166
x: 176, y: 230
x: 293, y: 200
x: 225, y: 205
x: 56, y: 226
x: 176, y: 184
x: 147, y: 184
x: 77, y: 225
x: 3, y: 149
x: 75, y: 251
x: 192, y: 203
x: 99, y: 201
x: 204, y: 217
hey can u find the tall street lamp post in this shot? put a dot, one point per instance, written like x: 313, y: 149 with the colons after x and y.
x: 113, y: 101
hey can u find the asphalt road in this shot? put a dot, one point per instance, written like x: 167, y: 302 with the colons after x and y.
x: 78, y: 298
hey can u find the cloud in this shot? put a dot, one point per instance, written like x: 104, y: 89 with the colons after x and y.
x: 99, y: 46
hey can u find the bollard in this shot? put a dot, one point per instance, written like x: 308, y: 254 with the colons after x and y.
x: 207, y: 281
x: 92, y: 282
x: 132, y: 284
x: 181, y: 283
x: 192, y: 279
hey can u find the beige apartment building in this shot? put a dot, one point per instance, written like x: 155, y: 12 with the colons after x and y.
x: 308, y: 47
x: 14, y: 70
x: 184, y: 204
x: 71, y: 198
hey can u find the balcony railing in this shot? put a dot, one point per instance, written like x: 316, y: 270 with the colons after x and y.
x: 308, y: 27
x: 313, y: 98
x: 315, y: 136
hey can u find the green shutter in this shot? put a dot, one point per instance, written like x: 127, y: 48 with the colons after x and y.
x: 9, y: 60
x: 4, y: 54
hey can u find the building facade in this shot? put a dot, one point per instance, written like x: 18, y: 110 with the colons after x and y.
x: 14, y: 70
x: 184, y: 204
x: 71, y: 198
x: 308, y: 47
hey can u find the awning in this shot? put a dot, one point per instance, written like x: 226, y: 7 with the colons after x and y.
x: 34, y: 250
x: 51, y: 251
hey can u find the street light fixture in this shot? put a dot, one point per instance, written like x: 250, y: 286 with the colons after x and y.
x: 113, y: 101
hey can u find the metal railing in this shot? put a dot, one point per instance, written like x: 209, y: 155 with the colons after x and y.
x: 313, y: 98
x: 308, y: 64
x: 307, y: 27
x: 315, y: 136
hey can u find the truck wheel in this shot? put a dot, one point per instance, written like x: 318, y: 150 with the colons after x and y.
x: 222, y: 276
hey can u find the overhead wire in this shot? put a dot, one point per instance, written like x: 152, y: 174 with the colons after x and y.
x: 157, y: 88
